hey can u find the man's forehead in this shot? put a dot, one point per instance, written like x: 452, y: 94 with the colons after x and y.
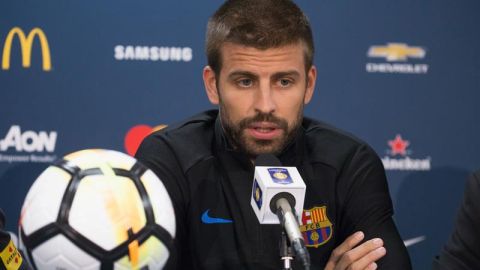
x: 287, y: 57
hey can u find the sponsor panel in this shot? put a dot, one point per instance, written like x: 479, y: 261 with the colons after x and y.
x: 399, y: 157
x: 28, y: 146
x: 399, y: 57
x: 152, y: 53
x: 26, y: 42
x: 135, y: 136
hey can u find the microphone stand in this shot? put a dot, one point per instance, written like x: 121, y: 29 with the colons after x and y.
x: 286, y: 251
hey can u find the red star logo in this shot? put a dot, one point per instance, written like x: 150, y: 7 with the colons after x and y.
x: 398, y: 146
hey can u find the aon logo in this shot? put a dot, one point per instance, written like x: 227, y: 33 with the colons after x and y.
x: 28, y: 141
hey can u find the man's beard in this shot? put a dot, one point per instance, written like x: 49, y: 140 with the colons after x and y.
x: 237, y: 135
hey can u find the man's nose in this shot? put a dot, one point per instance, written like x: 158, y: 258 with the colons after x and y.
x: 264, y: 99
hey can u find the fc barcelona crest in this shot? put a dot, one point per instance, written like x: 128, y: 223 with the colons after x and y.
x: 317, y: 228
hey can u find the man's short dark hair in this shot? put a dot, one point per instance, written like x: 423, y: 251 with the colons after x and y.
x: 261, y: 24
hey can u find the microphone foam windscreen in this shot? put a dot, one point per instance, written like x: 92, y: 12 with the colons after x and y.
x: 267, y: 160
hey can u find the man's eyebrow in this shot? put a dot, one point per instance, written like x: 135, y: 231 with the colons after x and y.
x: 242, y: 73
x: 291, y: 73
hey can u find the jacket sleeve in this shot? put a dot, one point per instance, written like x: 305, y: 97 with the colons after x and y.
x: 364, y: 195
x: 156, y: 155
x: 462, y: 250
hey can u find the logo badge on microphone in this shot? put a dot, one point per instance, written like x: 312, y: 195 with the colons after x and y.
x: 257, y: 194
x: 280, y: 176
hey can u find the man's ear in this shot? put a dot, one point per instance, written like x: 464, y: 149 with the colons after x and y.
x: 311, y: 79
x: 210, y: 82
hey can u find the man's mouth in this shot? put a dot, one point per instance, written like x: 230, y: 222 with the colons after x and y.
x: 264, y: 130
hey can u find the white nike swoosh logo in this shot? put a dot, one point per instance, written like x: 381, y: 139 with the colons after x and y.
x: 413, y: 241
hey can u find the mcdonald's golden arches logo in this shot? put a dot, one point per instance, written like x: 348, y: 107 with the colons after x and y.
x: 26, y: 43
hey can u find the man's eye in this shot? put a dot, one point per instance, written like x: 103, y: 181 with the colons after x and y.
x: 285, y: 82
x: 245, y: 82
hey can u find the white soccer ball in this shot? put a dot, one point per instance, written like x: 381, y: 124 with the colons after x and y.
x: 97, y: 209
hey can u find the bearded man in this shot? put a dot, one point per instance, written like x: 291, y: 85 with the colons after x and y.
x: 260, y: 73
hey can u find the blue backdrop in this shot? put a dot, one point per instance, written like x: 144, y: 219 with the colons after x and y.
x: 402, y: 75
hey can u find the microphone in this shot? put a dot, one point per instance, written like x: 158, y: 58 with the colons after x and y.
x: 278, y: 194
x: 10, y: 257
x: 2, y: 219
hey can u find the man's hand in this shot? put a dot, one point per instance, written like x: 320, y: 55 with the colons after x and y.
x: 352, y: 257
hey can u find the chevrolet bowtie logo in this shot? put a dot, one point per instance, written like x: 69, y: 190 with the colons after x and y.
x: 396, y: 52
